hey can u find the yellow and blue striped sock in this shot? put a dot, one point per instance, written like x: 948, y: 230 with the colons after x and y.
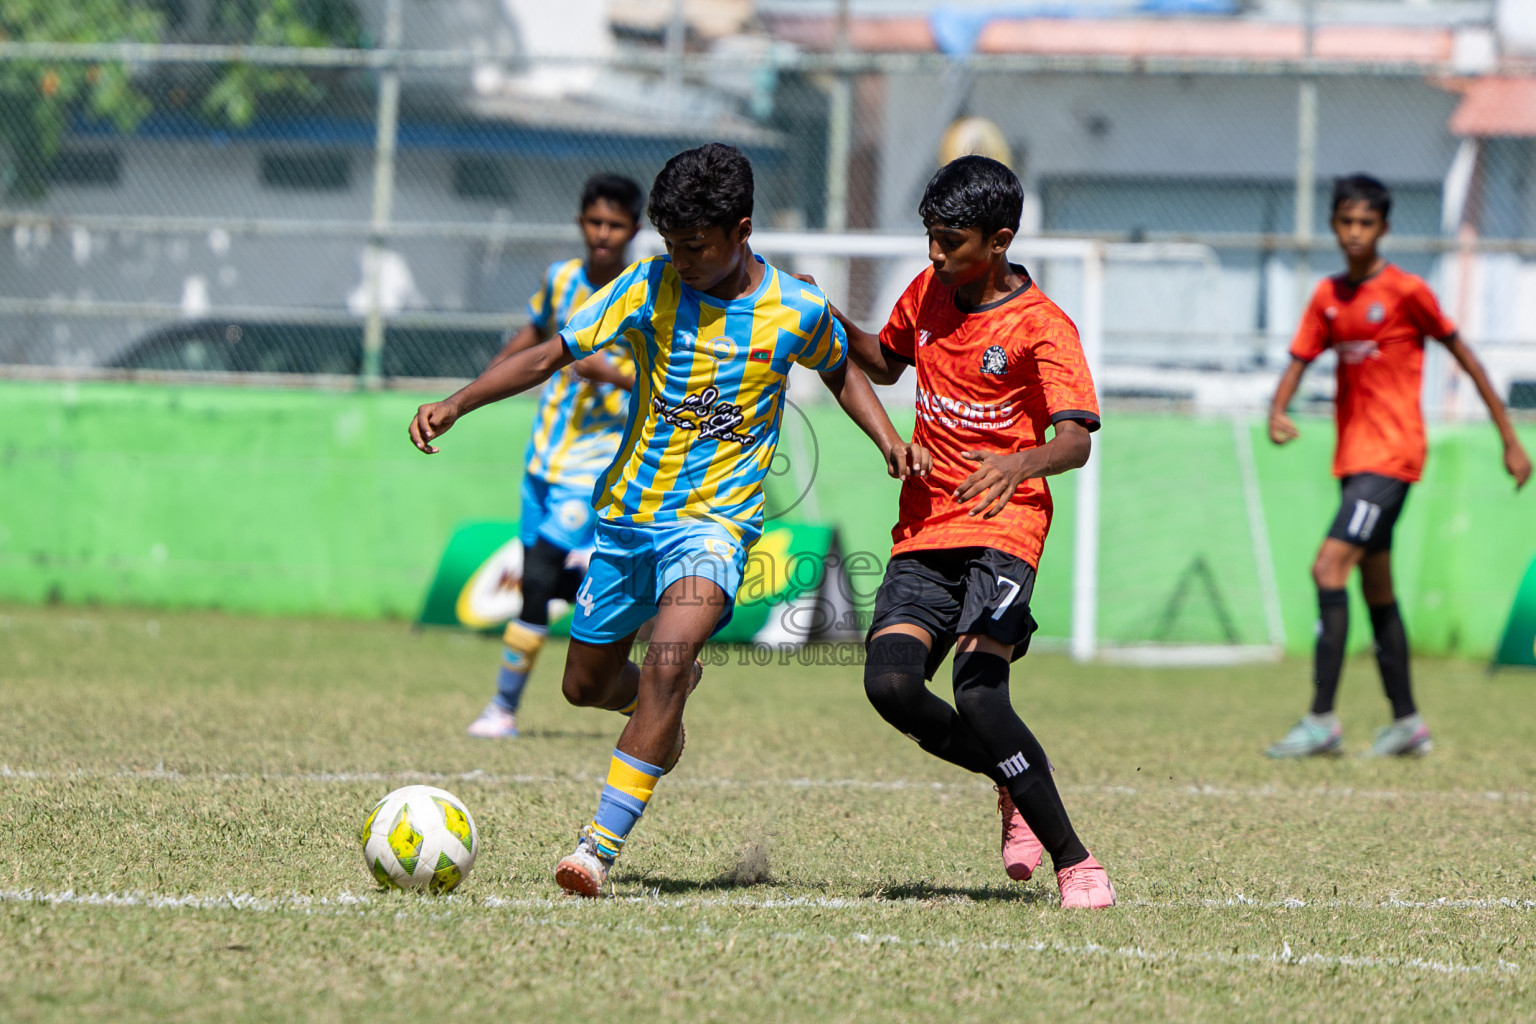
x: 522, y: 645
x: 630, y: 784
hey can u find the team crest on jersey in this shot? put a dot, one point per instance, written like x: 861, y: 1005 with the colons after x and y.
x: 722, y: 349
x: 1376, y: 314
x: 1331, y: 313
x: 924, y: 337
x: 994, y: 361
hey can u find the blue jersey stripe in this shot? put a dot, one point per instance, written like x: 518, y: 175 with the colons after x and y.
x: 709, y: 394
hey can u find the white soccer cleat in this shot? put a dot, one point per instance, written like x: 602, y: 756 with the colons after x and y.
x: 584, y: 871
x: 494, y: 723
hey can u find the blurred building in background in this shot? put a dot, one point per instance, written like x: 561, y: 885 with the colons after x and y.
x: 380, y: 201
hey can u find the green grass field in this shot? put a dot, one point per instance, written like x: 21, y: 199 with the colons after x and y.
x: 180, y: 795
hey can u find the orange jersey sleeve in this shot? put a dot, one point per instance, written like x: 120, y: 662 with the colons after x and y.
x: 1423, y: 311
x: 1312, y: 335
x: 1063, y: 373
x: 899, y: 335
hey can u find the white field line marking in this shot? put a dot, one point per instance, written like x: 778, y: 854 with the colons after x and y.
x: 240, y: 901
x: 1206, y: 790
x: 349, y: 903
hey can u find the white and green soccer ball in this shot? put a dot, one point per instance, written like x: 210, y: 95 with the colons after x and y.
x: 420, y: 837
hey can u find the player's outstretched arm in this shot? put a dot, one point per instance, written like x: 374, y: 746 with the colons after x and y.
x: 522, y: 371
x: 999, y: 474
x: 525, y: 338
x: 1516, y: 462
x: 865, y: 350
x: 853, y: 393
x: 1281, y: 426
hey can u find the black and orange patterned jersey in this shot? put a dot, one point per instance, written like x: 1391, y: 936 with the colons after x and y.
x: 989, y: 379
x: 1377, y: 328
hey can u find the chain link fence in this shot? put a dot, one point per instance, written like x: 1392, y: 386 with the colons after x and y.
x: 383, y: 213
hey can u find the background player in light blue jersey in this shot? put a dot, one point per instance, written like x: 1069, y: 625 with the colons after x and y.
x: 714, y: 330
x: 576, y: 431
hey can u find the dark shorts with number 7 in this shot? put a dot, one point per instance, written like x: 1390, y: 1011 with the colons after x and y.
x: 1368, y: 510
x: 957, y: 592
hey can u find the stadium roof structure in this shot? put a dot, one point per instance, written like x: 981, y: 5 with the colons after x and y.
x: 992, y: 32
x: 626, y: 106
x: 560, y: 130
x: 1495, y: 107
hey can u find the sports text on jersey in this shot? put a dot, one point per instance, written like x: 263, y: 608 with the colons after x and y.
x: 955, y: 413
x: 1356, y: 352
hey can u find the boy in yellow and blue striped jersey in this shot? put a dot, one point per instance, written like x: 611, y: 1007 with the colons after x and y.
x: 576, y: 432
x: 714, y: 330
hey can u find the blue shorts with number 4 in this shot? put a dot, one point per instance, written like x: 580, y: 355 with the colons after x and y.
x: 634, y: 565
x: 560, y: 514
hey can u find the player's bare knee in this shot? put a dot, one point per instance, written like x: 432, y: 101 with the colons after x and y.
x: 580, y: 689
x: 985, y: 644
x: 1329, y: 573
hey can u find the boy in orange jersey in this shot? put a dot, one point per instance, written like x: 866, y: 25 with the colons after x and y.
x: 997, y: 364
x: 1375, y: 317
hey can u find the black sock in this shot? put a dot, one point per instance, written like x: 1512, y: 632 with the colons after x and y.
x: 981, y: 695
x: 1328, y: 662
x: 1392, y: 658
x: 893, y: 682
x: 543, y: 566
x: 570, y: 583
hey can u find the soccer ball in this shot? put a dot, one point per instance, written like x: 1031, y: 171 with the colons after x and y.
x: 420, y: 837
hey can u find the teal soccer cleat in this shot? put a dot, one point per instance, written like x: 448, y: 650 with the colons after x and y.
x: 1308, y: 738
x: 1406, y: 737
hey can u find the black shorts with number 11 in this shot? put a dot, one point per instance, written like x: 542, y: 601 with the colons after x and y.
x: 953, y: 593
x: 1368, y: 510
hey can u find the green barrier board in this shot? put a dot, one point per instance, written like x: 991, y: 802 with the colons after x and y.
x: 291, y: 502
x: 794, y: 588
x: 1519, y: 644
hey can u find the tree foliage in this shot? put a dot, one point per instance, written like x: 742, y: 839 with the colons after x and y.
x: 39, y: 97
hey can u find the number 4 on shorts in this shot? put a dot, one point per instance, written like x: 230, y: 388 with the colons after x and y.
x: 584, y: 597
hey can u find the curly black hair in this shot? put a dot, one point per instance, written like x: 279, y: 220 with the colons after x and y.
x: 618, y: 190
x: 710, y: 186
x: 973, y: 192
x: 1362, y: 187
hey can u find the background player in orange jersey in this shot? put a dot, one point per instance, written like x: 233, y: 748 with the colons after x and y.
x: 997, y: 364
x: 1375, y: 317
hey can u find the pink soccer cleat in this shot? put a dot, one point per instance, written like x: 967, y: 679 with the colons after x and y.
x: 1085, y: 885
x: 1022, y: 852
